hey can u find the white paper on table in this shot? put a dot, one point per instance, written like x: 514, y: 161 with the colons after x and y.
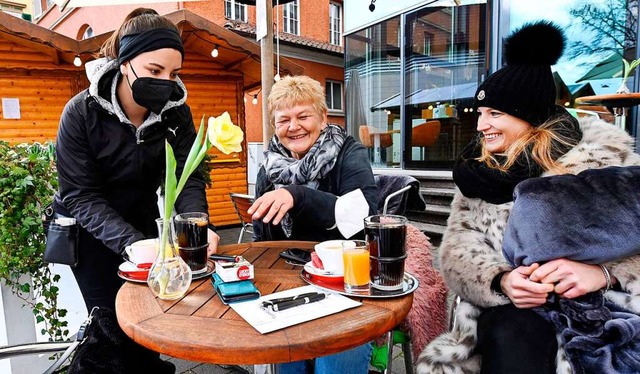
x: 265, y: 320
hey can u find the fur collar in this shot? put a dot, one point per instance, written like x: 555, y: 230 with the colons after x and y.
x: 602, y: 145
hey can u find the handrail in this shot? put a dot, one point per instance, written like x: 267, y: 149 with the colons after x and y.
x: 32, y: 348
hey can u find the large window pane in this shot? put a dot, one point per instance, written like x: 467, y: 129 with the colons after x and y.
x: 599, y: 34
x: 373, y: 75
x: 445, y: 60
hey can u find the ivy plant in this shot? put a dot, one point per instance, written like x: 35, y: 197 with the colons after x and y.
x: 28, y: 181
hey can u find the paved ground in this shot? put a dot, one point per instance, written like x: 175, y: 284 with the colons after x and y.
x: 230, y: 236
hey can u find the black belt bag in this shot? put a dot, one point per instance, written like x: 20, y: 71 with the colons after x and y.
x: 62, y: 242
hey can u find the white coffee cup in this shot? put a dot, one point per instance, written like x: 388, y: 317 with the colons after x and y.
x: 330, y: 252
x: 142, y: 251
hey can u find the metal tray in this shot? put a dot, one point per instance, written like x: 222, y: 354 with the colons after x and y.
x: 409, y: 284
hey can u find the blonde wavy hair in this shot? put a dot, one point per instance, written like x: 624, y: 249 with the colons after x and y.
x: 295, y: 90
x: 540, y: 145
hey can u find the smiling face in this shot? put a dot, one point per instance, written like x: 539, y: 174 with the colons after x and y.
x: 299, y: 127
x: 500, y: 129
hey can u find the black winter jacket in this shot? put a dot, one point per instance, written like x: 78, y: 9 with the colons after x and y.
x: 109, y: 171
x: 314, y: 210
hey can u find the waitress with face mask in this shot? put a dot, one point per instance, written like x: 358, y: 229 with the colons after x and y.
x: 111, y: 149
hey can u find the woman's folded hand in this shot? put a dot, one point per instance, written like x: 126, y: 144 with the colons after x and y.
x: 571, y: 278
x: 272, y: 206
x: 523, y: 292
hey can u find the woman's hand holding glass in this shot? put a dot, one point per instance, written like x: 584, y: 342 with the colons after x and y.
x: 273, y: 205
x: 571, y: 278
x: 214, y: 240
x: 523, y: 292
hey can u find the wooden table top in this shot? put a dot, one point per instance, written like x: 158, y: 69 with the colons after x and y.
x: 199, y: 327
x: 624, y: 100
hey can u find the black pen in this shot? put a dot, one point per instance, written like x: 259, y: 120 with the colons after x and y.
x: 293, y: 303
x: 290, y: 298
x: 225, y: 258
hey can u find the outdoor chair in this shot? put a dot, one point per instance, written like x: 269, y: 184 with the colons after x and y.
x: 242, y: 203
x: 425, y: 135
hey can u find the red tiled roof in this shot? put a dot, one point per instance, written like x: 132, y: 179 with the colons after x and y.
x: 246, y: 28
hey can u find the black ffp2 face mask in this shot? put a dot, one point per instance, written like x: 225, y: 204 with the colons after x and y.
x: 152, y: 93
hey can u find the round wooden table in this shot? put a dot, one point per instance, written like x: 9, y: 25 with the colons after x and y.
x: 198, y: 327
x: 619, y: 103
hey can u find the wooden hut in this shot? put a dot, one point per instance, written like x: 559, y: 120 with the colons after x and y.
x: 37, y: 75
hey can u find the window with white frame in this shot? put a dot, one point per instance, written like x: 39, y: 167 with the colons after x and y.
x: 88, y: 33
x: 235, y: 10
x: 333, y: 93
x: 290, y: 18
x: 37, y: 8
x: 335, y: 24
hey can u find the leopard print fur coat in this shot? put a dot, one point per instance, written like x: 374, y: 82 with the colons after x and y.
x: 471, y: 255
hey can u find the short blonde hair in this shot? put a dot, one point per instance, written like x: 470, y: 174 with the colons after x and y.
x: 294, y: 90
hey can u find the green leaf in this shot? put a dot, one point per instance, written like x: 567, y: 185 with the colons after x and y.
x: 170, y: 192
x: 193, y: 159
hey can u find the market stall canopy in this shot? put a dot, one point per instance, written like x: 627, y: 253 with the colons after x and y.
x: 611, y: 67
x: 59, y: 48
x: 199, y: 35
x: 430, y: 95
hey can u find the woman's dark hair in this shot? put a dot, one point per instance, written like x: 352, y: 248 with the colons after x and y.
x: 139, y: 20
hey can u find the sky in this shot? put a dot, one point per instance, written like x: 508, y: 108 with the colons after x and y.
x: 558, y: 11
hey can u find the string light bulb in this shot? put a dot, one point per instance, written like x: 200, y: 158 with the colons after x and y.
x: 214, y: 52
x: 254, y: 101
x: 245, y: 99
x: 77, y: 61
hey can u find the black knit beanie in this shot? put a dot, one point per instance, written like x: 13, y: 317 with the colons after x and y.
x: 525, y: 88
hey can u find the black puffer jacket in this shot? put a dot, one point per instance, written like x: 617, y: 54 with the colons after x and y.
x: 314, y: 210
x: 109, y: 171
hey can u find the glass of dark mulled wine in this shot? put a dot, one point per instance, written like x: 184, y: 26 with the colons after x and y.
x: 191, y: 236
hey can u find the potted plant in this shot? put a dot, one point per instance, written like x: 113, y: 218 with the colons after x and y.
x: 626, y: 72
x: 28, y: 181
x: 169, y: 276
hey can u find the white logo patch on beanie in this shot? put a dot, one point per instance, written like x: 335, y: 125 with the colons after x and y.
x: 481, y: 95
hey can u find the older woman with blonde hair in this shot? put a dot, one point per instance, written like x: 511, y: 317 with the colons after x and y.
x: 315, y: 184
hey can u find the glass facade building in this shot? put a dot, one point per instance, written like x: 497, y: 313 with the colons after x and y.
x: 412, y: 68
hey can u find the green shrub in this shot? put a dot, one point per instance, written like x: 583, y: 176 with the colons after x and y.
x: 28, y: 181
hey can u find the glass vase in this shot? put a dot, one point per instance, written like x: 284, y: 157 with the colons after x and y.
x: 169, y: 276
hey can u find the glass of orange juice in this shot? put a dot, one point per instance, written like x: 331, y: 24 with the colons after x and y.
x: 355, y: 256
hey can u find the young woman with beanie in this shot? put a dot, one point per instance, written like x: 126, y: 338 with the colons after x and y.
x: 111, y: 149
x: 522, y: 134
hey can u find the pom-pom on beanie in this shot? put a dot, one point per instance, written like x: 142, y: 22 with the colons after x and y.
x: 524, y: 88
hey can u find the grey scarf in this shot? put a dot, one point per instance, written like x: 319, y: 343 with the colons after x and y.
x: 283, y: 170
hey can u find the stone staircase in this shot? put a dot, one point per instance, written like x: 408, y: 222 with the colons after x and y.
x: 437, y: 191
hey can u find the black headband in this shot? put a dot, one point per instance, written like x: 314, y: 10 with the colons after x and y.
x: 134, y: 44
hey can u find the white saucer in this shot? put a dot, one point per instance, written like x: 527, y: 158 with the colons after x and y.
x: 309, y: 268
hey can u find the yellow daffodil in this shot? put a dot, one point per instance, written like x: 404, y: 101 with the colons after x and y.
x: 224, y: 135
